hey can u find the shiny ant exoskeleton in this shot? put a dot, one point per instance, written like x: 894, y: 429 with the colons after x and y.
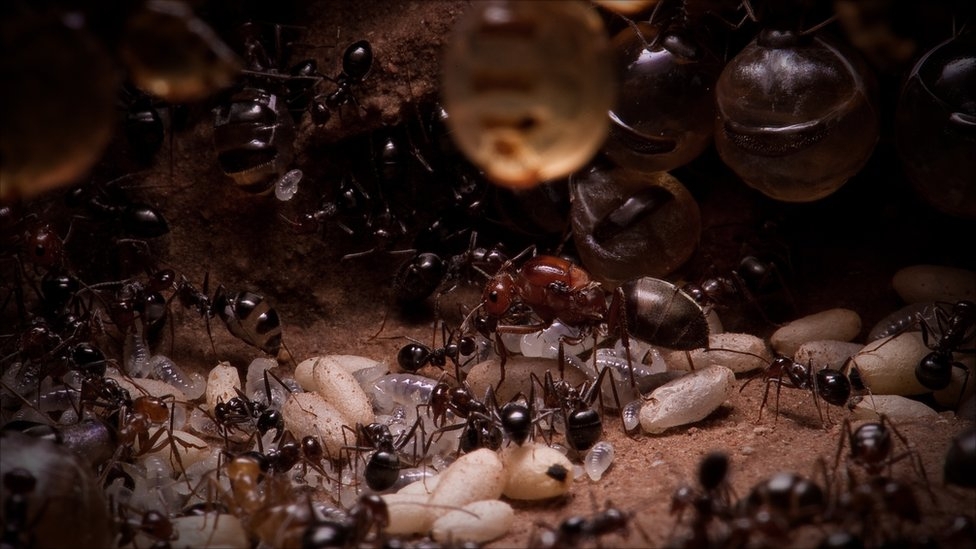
x: 828, y: 384
x: 369, y: 515
x: 414, y: 356
x: 247, y: 315
x: 357, y: 60
x: 712, y: 499
x: 583, y: 424
x: 743, y: 283
x: 959, y: 468
x: 574, y: 531
x: 383, y: 465
x: 649, y: 309
x: 934, y: 371
x: 872, y: 447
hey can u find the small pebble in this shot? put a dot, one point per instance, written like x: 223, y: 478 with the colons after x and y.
x: 836, y: 324
x: 887, y: 365
x: 725, y: 349
x: 476, y: 522
x: 535, y: 471
x: 895, y: 407
x: 934, y: 283
x: 826, y: 353
x: 687, y: 399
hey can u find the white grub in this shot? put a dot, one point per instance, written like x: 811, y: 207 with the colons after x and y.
x: 545, y: 343
x: 190, y: 448
x: 714, y: 321
x: 190, y: 382
x: 826, y: 353
x: 631, y: 414
x: 409, y: 513
x: 686, y: 400
x: 152, y: 387
x: 517, y: 375
x: 475, y: 476
x: 308, y: 414
x: 934, y: 283
x: 887, y: 366
x: 896, y: 408
x: 222, y: 384
x: 598, y: 459
x: 535, y: 471
x: 333, y: 381
x: 208, y: 531
x: 837, y: 324
x: 392, y: 390
x: 950, y: 396
x: 422, y: 483
x: 737, y: 352
x: 477, y: 522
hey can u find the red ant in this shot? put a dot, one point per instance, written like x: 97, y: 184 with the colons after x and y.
x: 553, y: 288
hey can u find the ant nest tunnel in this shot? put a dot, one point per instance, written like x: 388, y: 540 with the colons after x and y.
x: 503, y: 273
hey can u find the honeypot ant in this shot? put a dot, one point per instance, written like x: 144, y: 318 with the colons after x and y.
x: 649, y: 309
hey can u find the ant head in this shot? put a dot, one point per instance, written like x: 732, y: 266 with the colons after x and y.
x: 44, y: 247
x: 499, y: 294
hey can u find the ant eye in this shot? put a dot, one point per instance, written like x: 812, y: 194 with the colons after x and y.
x: 493, y: 296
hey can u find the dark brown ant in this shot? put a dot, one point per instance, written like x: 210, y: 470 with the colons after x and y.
x: 826, y: 383
x: 152, y: 523
x: 19, y: 483
x: 652, y: 310
x: 247, y: 315
x: 414, y: 356
x: 383, y: 465
x: 478, y: 430
x: 934, y: 371
x: 872, y: 448
x: 959, y: 468
x: 583, y: 424
x: 369, y: 515
x: 712, y: 499
x: 356, y: 63
x: 751, y: 276
x: 777, y: 504
x: 574, y: 531
x: 289, y: 452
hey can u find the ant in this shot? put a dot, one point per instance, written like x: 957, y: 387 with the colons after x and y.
x: 777, y: 504
x: 383, y: 465
x: 934, y: 371
x: 414, y: 356
x: 573, y: 531
x: 584, y: 425
x: 751, y: 276
x: 872, y: 447
x: 290, y: 452
x: 357, y: 60
x: 479, y: 428
x: 426, y: 272
x: 247, y: 315
x: 652, y: 310
x: 713, y: 498
x: 369, y: 513
x: 826, y: 383
x: 20, y: 483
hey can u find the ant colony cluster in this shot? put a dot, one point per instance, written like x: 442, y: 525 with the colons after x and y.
x: 644, y: 273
